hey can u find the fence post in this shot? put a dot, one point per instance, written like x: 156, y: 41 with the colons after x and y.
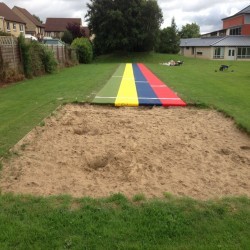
x: 13, y: 51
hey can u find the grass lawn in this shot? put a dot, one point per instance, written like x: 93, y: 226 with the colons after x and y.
x: 62, y: 222
x: 25, y: 104
x: 116, y: 223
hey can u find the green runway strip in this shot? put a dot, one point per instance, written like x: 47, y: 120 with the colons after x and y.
x: 111, y: 88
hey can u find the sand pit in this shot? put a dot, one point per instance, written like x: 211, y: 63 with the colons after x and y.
x: 96, y: 151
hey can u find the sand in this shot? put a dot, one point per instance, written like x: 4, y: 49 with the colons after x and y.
x: 87, y: 150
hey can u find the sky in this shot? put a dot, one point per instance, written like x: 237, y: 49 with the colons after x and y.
x: 206, y: 13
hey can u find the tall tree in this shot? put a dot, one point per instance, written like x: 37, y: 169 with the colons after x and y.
x: 124, y: 25
x: 169, y: 40
x: 76, y: 30
x: 38, y: 18
x: 190, y: 31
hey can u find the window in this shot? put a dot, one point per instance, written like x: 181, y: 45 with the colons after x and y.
x: 235, y: 31
x: 231, y: 52
x: 187, y: 47
x: 8, y: 26
x: 243, y: 52
x: 199, y: 53
x: 218, y: 53
x: 21, y: 27
x: 14, y: 26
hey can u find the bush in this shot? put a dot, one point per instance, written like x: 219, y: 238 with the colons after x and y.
x: 67, y: 37
x: 35, y: 53
x: 37, y: 59
x: 48, y: 60
x: 26, y: 59
x: 11, y: 75
x: 2, y: 33
x: 83, y: 49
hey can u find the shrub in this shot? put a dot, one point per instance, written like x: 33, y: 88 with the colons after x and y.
x: 11, y: 75
x: 2, y: 33
x: 67, y: 37
x: 26, y: 59
x: 35, y: 53
x: 37, y: 59
x: 83, y: 49
x: 48, y: 60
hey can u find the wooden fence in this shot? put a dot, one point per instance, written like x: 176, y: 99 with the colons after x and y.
x: 9, y: 53
x: 11, y: 60
x: 63, y: 54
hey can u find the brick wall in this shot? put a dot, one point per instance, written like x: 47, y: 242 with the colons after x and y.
x: 232, y: 22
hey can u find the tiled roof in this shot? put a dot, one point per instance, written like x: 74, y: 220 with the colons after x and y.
x: 200, y: 42
x: 60, y: 24
x: 30, y: 17
x: 216, y: 41
x: 8, y: 14
x: 244, y: 11
x: 234, y: 41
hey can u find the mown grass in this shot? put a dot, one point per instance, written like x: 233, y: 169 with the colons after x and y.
x: 25, y: 104
x: 62, y: 222
x: 117, y: 223
x: 200, y: 82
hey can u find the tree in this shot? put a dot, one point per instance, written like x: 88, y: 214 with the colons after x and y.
x: 190, y: 31
x: 38, y: 18
x: 169, y: 40
x: 76, y: 30
x: 67, y: 37
x: 124, y: 25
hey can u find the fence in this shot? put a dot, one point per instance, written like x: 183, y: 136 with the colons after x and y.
x: 63, y: 54
x: 10, y: 55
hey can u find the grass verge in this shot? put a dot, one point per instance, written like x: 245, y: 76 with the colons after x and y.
x: 116, y: 223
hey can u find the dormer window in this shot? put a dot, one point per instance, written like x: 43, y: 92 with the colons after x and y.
x: 235, y: 31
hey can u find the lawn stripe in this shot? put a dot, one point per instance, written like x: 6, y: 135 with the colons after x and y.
x: 111, y: 87
x: 145, y: 92
x: 162, y: 92
x: 127, y: 94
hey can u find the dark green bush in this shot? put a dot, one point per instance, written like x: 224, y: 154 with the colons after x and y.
x: 35, y: 53
x: 48, y: 60
x: 2, y: 33
x: 25, y: 54
x: 67, y: 37
x: 83, y: 49
x: 37, y: 59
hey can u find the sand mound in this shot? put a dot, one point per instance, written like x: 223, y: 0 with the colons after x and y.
x: 95, y: 151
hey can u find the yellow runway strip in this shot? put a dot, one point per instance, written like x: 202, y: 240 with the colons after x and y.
x: 127, y: 94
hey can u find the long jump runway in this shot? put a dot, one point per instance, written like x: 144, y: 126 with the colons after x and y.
x: 134, y: 85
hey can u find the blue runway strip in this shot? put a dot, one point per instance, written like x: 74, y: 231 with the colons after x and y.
x: 144, y: 90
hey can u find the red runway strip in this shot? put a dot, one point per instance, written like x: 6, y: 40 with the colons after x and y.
x: 165, y: 94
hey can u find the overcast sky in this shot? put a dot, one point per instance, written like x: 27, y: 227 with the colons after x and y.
x: 206, y: 13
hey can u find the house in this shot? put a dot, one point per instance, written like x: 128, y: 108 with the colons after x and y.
x: 227, y: 47
x: 33, y: 26
x: 55, y: 27
x: 232, y: 42
x: 10, y: 22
